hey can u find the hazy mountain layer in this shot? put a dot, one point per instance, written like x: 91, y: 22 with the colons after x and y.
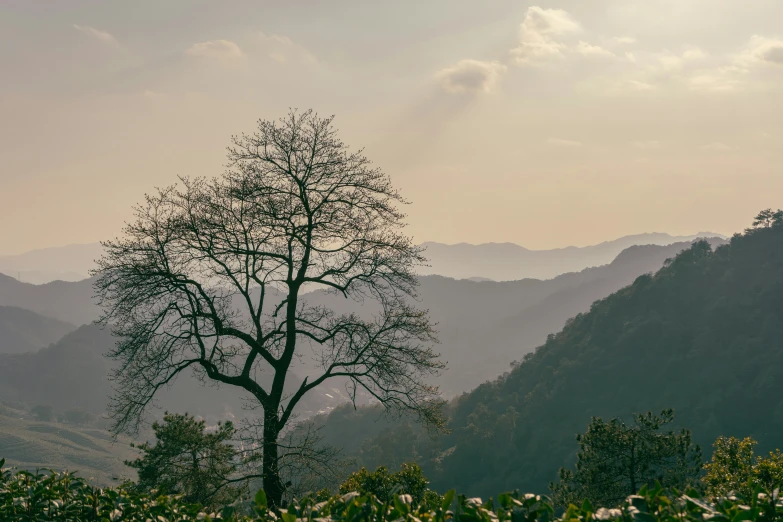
x: 483, y: 326
x: 68, y: 263
x: 71, y: 302
x: 494, y: 261
x: 510, y: 262
x: 25, y: 331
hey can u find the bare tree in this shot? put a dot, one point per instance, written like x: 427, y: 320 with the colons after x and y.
x: 211, y: 276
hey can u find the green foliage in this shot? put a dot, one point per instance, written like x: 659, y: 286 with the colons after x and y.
x: 701, y: 336
x: 733, y: 468
x: 186, y: 460
x: 410, y: 480
x: 616, y: 459
x: 64, y: 497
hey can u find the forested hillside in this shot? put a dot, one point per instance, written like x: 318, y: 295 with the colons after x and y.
x: 704, y: 336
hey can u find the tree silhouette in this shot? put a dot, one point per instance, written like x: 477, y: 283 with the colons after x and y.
x: 211, y: 276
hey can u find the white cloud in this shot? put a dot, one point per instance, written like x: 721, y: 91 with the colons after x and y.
x: 103, y: 36
x: 470, y: 76
x: 282, y: 49
x: 624, y: 39
x: 540, y: 34
x: 559, y: 142
x: 221, y: 49
x: 586, y: 49
x: 630, y: 57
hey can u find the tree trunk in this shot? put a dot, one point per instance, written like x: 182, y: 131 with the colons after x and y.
x: 273, y: 486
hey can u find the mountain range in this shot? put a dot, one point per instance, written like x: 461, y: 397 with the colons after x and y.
x: 509, y: 262
x: 23, y: 331
x: 703, y: 335
x: 494, y: 261
x: 483, y: 326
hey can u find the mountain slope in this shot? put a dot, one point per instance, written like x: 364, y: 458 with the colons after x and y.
x: 704, y: 336
x: 25, y: 331
x: 71, y: 302
x: 509, y: 262
x: 31, y: 445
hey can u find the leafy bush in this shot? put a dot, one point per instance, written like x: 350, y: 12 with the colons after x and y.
x: 25, y: 497
x: 733, y: 468
x: 410, y: 480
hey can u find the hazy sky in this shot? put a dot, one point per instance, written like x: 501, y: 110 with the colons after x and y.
x: 544, y: 123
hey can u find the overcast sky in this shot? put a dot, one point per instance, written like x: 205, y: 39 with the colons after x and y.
x: 544, y: 123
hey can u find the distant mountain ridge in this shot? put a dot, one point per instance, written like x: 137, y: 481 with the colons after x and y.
x: 23, y: 331
x: 67, y: 263
x: 510, y: 262
x: 483, y: 326
x: 496, y: 261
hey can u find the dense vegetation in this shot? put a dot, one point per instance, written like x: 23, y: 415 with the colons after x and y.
x: 702, y: 336
x: 50, y: 496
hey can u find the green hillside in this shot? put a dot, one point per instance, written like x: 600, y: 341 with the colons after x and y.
x: 31, y: 444
x: 704, y: 336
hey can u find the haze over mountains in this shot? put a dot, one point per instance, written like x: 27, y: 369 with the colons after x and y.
x: 495, y: 261
x: 509, y: 261
x: 67, y: 263
x: 483, y: 327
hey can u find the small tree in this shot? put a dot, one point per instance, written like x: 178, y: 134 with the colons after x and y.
x: 410, y: 480
x: 615, y: 460
x: 43, y: 412
x: 734, y: 468
x: 189, y: 461
x: 211, y: 277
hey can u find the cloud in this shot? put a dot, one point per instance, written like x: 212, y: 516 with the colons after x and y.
x: 283, y: 50
x: 669, y: 62
x: 760, y: 51
x: 624, y: 39
x: 586, y: 49
x: 738, y: 69
x: 630, y: 57
x: 540, y: 34
x: 564, y: 143
x: 721, y: 79
x: 221, y: 49
x: 103, y: 36
x: 470, y: 76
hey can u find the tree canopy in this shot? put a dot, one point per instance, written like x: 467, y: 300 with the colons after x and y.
x: 616, y: 459
x: 211, y: 277
x: 186, y: 460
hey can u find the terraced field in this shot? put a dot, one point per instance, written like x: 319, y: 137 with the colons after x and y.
x: 31, y: 444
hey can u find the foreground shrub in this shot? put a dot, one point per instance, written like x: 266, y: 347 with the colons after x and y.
x: 26, y: 496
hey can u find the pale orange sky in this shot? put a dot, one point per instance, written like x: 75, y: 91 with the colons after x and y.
x: 541, y: 123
